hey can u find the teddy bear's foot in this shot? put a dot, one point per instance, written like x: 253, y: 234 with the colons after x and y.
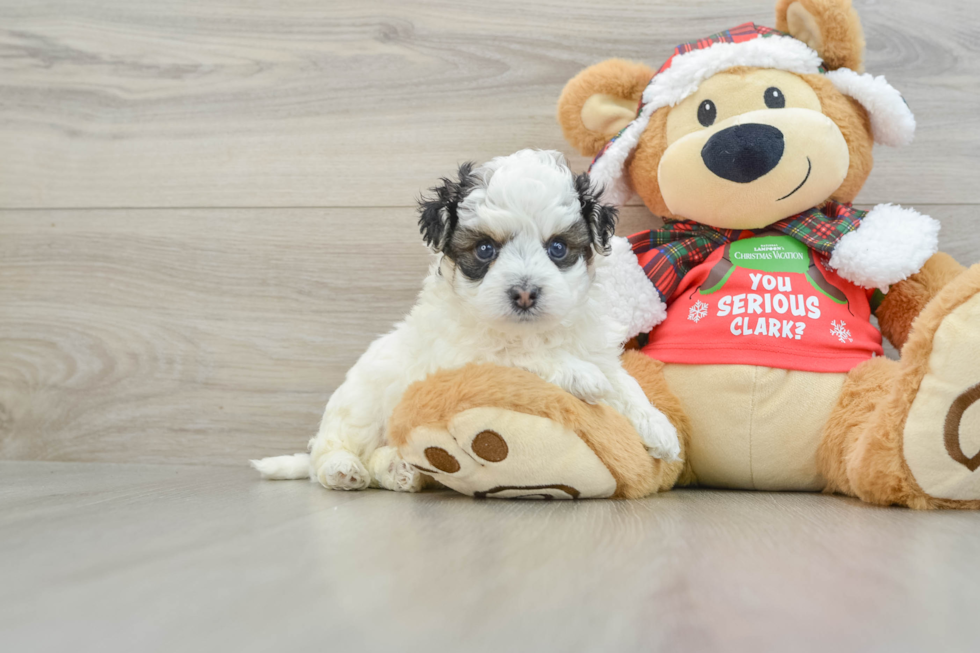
x: 941, y: 439
x: 499, y: 453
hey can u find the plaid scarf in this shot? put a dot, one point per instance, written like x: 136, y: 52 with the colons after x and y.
x: 668, y: 254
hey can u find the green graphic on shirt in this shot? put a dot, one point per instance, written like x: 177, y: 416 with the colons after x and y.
x: 771, y: 254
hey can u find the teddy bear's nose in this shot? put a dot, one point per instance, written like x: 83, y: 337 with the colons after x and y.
x: 743, y: 153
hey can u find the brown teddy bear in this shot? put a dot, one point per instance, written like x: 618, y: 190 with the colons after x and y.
x: 751, y: 144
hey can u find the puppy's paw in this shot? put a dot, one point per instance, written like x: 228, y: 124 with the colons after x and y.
x: 342, y: 470
x: 658, y: 434
x: 584, y: 380
x: 406, y: 478
x: 390, y: 472
x: 591, y: 389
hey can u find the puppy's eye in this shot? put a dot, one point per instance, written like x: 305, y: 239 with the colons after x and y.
x: 775, y: 98
x: 485, y: 251
x: 707, y: 113
x: 557, y: 250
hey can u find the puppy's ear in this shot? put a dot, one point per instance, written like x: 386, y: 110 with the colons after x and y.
x: 601, y: 218
x: 437, y: 214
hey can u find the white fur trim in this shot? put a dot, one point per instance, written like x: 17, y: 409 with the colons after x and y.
x: 688, y: 71
x: 891, y: 119
x: 628, y: 297
x: 682, y: 79
x: 891, y: 244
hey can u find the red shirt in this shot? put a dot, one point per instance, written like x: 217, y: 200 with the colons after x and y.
x: 767, y: 301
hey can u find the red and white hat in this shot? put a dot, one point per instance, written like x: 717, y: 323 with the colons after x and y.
x: 892, y: 121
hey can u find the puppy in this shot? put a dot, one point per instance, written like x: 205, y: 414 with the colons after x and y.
x: 521, y: 250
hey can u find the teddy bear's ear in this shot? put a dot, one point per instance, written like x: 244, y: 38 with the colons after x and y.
x: 600, y: 101
x: 831, y: 27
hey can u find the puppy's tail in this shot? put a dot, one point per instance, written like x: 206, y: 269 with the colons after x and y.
x: 284, y: 468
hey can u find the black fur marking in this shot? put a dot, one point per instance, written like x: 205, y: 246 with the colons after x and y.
x: 437, y: 215
x: 600, y: 218
x: 578, y: 240
x: 461, y: 249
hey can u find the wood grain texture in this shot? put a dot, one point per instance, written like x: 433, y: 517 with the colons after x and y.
x: 116, y: 103
x: 182, y: 335
x: 162, y: 333
x: 111, y: 558
x: 206, y: 335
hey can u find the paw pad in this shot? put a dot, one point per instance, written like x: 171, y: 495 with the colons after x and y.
x: 546, y: 492
x: 490, y: 446
x: 442, y: 460
x: 952, y: 427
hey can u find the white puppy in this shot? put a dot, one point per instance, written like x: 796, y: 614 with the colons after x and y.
x: 521, y: 278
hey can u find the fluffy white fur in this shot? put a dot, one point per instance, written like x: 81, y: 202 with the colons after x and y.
x: 573, y: 339
x: 283, y: 468
x: 891, y: 244
x: 630, y: 299
x: 892, y: 121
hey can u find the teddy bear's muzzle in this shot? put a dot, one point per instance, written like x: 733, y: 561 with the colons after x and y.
x: 743, y: 153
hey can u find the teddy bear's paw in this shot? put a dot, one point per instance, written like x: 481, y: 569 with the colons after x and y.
x: 493, y: 452
x: 658, y: 434
x: 390, y: 472
x: 891, y: 244
x: 942, y: 431
x: 342, y: 470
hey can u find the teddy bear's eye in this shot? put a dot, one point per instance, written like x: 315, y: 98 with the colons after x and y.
x: 775, y: 98
x: 707, y: 113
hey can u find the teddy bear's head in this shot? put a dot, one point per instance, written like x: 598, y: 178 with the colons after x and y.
x: 744, y: 128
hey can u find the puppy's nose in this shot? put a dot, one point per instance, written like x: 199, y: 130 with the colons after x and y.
x: 743, y: 153
x: 524, y: 297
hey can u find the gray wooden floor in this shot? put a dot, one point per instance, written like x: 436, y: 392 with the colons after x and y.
x: 206, y: 214
x: 107, y: 557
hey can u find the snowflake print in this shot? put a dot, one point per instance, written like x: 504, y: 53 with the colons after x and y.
x: 840, y: 331
x: 698, y: 311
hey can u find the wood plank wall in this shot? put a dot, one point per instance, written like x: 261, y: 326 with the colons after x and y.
x: 206, y: 209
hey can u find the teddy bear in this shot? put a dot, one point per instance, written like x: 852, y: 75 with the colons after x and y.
x: 751, y: 145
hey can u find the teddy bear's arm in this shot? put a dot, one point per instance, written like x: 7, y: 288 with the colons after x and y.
x: 891, y: 244
x: 907, y: 299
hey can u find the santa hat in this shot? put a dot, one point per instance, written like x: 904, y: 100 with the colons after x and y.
x: 892, y: 121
